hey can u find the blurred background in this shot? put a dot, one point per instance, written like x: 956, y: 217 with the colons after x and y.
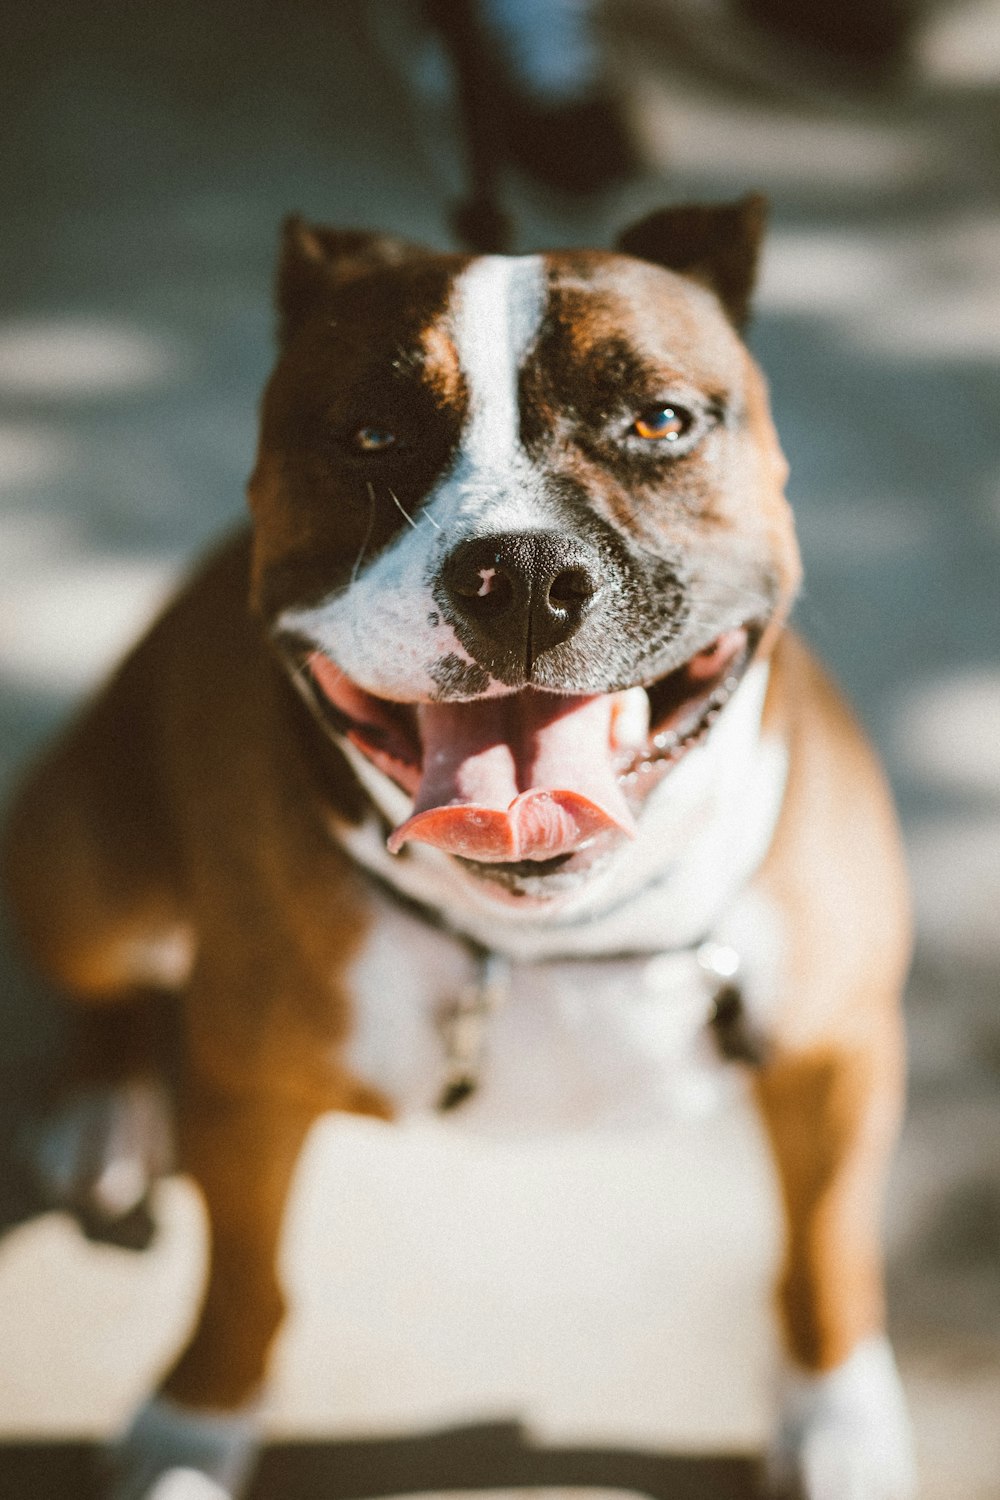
x: 609, y: 1295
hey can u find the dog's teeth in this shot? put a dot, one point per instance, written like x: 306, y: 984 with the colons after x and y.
x: 630, y: 719
x: 664, y: 739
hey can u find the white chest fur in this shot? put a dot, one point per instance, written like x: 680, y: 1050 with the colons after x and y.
x: 612, y: 1042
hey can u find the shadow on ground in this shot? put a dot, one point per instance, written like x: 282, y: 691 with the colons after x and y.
x: 495, y: 1456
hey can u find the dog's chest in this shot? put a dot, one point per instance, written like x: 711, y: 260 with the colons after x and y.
x: 612, y: 1041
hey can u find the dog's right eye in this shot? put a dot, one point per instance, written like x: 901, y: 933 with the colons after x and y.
x: 662, y: 424
x: 373, y: 439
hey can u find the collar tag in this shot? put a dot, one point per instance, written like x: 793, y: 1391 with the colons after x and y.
x: 463, y: 1023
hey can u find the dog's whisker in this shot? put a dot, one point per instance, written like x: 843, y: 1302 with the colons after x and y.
x: 404, y: 513
x: 368, y: 536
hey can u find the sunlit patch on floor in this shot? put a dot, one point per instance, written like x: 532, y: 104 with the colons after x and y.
x: 948, y: 733
x: 438, y: 1278
x: 59, y: 357
x: 864, y: 531
x: 128, y: 1313
x: 932, y: 295
x: 30, y: 538
x: 64, y: 623
x: 685, y: 133
x: 823, y: 271
x: 31, y: 455
x: 960, y: 44
x: 955, y: 869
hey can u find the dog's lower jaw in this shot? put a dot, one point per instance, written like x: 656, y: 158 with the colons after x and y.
x: 845, y: 1434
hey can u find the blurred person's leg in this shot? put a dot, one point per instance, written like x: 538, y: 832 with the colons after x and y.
x: 556, y: 113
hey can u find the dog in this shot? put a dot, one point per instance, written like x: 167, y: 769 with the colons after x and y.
x: 494, y: 703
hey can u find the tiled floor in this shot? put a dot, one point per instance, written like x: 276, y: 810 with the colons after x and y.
x: 149, y: 161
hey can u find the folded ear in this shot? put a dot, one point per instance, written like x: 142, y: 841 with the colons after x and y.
x: 717, y: 245
x: 313, y: 260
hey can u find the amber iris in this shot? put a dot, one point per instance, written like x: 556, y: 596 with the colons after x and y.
x: 661, y: 424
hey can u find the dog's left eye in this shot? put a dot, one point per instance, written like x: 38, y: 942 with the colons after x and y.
x: 662, y: 424
x: 373, y: 439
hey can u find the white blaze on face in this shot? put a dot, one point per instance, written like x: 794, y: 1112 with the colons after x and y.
x: 498, y: 305
x: 379, y: 630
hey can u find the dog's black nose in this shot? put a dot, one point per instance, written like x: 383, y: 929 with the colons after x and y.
x: 513, y: 596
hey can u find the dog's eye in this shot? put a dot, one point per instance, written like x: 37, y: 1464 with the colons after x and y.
x: 662, y: 424
x: 373, y: 439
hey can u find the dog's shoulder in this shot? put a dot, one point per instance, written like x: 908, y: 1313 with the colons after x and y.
x: 835, y: 866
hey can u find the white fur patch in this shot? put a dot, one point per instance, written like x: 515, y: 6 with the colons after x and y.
x: 187, y: 1484
x: 161, y: 959
x: 379, y: 629
x: 498, y: 306
x: 845, y: 1435
x: 171, y: 1452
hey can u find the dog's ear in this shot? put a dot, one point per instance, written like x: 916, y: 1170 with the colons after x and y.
x: 313, y: 260
x: 717, y: 245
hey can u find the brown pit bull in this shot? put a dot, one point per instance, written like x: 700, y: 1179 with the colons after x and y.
x: 483, y: 774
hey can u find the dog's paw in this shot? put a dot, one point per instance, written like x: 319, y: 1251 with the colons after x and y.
x: 172, y: 1452
x: 845, y: 1435
x: 98, y: 1154
x: 187, y: 1484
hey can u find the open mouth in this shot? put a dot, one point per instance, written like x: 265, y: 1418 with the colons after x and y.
x: 525, y: 780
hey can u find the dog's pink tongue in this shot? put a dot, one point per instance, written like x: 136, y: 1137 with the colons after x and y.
x: 528, y: 776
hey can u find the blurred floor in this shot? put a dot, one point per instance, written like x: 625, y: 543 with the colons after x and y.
x: 148, y: 160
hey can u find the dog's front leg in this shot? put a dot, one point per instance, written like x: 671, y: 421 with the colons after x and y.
x: 197, y: 1438
x: 831, y: 1111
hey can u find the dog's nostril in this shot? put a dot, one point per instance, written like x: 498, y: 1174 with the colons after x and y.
x: 572, y: 586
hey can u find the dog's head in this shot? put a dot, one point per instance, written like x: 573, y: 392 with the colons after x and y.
x: 519, y: 522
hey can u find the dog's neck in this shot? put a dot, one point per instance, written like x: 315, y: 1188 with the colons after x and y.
x: 702, y: 835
